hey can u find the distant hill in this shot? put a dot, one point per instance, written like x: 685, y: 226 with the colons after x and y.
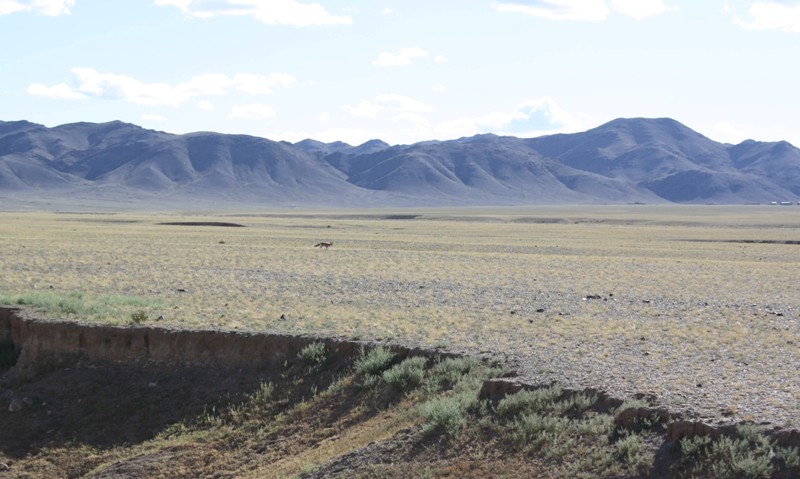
x: 623, y: 161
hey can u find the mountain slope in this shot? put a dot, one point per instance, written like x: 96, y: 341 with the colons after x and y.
x: 623, y: 161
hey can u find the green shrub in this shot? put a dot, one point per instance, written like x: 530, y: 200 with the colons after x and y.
x: 695, y: 447
x: 313, y: 355
x: 532, y: 429
x: 748, y: 455
x: 576, y: 404
x: 751, y: 467
x: 407, y: 375
x: 599, y: 425
x: 445, y: 415
x: 529, y: 401
x: 790, y: 456
x: 374, y: 362
x: 446, y: 374
x: 139, y: 316
x: 631, y: 448
x: 631, y: 403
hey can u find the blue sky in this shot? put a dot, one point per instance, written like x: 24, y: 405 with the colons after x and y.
x: 404, y: 70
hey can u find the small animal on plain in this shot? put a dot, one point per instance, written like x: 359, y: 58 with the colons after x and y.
x: 323, y: 244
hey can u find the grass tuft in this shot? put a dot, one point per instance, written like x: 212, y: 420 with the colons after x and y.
x: 314, y: 355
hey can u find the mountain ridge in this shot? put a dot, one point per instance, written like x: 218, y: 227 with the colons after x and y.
x: 627, y: 160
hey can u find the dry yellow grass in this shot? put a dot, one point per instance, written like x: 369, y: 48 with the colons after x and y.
x: 679, y: 277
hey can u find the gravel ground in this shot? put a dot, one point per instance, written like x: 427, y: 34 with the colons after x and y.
x: 720, y: 361
x: 684, y: 313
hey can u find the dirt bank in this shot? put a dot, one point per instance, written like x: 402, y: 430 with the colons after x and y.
x: 230, y: 360
x: 42, y: 343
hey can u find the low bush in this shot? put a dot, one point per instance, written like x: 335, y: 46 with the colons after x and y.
x: 313, y: 355
x: 746, y: 454
x: 139, y: 316
x: 374, y: 361
x: 407, y: 375
x: 529, y: 402
x: 445, y: 415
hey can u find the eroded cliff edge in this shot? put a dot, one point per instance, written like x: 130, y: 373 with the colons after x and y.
x: 42, y: 344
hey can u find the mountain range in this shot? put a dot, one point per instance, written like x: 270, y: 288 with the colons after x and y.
x: 636, y: 160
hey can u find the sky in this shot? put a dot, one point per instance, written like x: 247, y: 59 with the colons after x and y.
x: 404, y: 70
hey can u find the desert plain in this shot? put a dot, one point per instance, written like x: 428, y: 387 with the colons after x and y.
x: 696, y: 307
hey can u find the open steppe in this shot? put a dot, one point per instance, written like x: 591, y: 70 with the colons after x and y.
x: 696, y: 306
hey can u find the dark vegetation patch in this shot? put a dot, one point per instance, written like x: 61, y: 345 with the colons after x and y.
x: 401, y: 217
x: 316, y: 416
x: 8, y: 354
x: 202, y: 223
x: 745, y: 241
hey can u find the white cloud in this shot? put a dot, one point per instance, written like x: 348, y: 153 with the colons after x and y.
x: 772, y: 15
x: 543, y: 114
x: 205, y: 105
x: 324, y: 116
x: 403, y: 58
x: 388, y: 102
x: 154, y: 117
x: 272, y: 12
x: 439, y: 88
x: 387, y: 11
x: 253, y: 110
x: 726, y: 132
x: 261, y: 84
x: 364, y: 108
x: 440, y: 59
x: 51, y: 8
x: 589, y: 10
x: 115, y: 86
x: 531, y: 118
x: 62, y: 91
x: 640, y: 9
x: 414, y: 120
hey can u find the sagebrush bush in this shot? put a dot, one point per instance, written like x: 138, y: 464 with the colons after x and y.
x: 529, y: 401
x: 446, y: 374
x: 530, y: 429
x: 790, y: 456
x: 407, y: 375
x: 747, y: 454
x: 444, y: 415
x: 374, y: 361
x: 139, y: 316
x: 313, y: 355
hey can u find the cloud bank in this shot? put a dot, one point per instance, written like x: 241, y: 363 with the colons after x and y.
x: 94, y: 84
x: 584, y: 10
x: 51, y: 8
x: 771, y: 15
x: 272, y: 12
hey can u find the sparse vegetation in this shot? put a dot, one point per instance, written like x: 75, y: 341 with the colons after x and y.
x: 407, y: 375
x: 313, y: 355
x: 748, y: 453
x: 647, y: 297
x: 374, y: 361
x: 106, y: 308
x: 139, y: 316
